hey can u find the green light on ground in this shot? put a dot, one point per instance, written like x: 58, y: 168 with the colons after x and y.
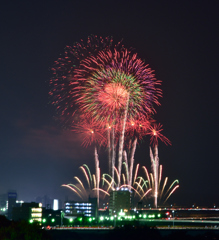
x: 121, y: 213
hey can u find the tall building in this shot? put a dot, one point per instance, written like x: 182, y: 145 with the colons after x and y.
x: 12, y: 197
x: 55, y: 204
x: 120, y: 200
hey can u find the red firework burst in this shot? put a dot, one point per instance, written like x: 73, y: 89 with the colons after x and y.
x: 155, y: 133
x: 63, y: 82
x: 138, y: 127
x: 90, y: 131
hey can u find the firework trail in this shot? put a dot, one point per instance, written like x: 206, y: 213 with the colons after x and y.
x: 108, y: 149
x: 121, y: 141
x: 162, y: 196
x: 154, y: 180
x: 111, y: 149
x: 171, y: 192
x: 97, y: 175
x: 91, y: 185
x: 155, y: 166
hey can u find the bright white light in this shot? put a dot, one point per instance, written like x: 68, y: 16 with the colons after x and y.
x: 55, y: 204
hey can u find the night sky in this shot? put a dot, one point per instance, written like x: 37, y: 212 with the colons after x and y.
x: 179, y: 40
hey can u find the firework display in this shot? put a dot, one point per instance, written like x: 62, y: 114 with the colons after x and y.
x: 144, y: 187
x: 107, y: 94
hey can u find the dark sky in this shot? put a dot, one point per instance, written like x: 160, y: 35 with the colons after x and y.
x: 179, y: 40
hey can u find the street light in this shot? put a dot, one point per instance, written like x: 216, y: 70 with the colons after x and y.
x: 173, y: 218
x: 114, y: 218
x: 62, y: 215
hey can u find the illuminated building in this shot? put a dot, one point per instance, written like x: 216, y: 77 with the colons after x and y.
x: 119, y: 200
x: 88, y: 209
x: 31, y: 212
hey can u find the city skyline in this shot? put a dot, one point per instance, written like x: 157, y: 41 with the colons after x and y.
x: 177, y: 40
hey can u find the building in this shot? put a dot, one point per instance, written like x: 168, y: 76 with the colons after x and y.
x: 55, y: 204
x: 52, y: 217
x: 3, y: 204
x: 120, y: 200
x: 12, y: 197
x: 87, y: 209
x: 31, y: 212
